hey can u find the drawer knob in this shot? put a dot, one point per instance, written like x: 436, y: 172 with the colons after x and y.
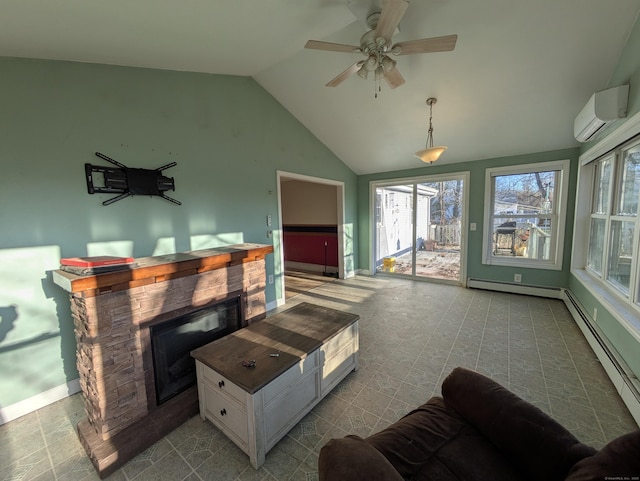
x: 221, y: 384
x: 223, y: 412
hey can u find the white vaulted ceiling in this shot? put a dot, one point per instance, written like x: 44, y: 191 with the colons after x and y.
x: 519, y: 74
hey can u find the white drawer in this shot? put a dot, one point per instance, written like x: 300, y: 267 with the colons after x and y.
x: 291, y: 376
x: 226, y: 414
x: 334, y: 362
x: 221, y: 383
x: 334, y: 345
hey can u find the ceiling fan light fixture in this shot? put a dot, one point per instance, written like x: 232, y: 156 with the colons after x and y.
x: 388, y: 64
x: 430, y: 154
x: 371, y: 63
x: 363, y: 72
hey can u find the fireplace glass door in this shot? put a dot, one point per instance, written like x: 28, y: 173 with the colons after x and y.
x: 173, y: 341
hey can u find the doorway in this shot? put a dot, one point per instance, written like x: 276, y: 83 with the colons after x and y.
x: 419, y: 227
x: 311, y: 235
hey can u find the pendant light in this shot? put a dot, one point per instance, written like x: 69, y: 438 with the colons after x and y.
x: 431, y: 153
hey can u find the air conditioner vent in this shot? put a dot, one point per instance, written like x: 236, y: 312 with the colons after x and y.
x: 602, y: 108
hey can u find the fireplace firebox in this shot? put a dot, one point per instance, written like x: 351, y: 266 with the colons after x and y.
x: 172, y: 341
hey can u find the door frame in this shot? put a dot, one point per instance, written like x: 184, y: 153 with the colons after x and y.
x: 278, y: 239
x: 464, y: 224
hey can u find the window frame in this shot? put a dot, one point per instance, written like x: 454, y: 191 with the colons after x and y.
x: 631, y: 294
x: 559, y: 215
x: 619, y: 308
x: 602, y: 215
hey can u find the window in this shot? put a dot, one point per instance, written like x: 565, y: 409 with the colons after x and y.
x: 525, y: 212
x: 613, y: 229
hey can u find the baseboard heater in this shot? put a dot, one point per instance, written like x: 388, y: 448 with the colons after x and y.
x: 625, y: 381
x: 530, y: 290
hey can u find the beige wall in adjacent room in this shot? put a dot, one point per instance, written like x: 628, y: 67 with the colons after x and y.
x: 308, y: 203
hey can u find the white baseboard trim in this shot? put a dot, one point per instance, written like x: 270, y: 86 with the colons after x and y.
x: 273, y: 304
x: 615, y: 367
x: 38, y: 401
x: 550, y: 292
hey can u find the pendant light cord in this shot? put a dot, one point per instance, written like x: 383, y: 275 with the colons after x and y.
x: 430, y: 131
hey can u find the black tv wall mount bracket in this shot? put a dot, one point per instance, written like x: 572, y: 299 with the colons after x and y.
x: 127, y: 181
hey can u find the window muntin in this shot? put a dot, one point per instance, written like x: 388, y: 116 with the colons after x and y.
x: 523, y: 219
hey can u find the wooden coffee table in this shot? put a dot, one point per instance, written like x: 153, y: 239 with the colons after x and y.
x: 300, y: 355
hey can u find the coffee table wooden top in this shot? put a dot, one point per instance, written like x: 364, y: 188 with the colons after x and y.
x: 292, y: 334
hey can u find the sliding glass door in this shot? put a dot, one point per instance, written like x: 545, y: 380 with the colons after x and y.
x: 418, y: 227
x: 394, y: 233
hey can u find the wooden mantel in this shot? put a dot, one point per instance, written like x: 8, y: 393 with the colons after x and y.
x: 151, y: 270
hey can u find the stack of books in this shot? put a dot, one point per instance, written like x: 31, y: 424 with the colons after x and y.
x: 91, y: 266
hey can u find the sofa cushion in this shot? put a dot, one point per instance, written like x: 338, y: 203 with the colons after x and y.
x: 532, y: 440
x: 468, y: 457
x: 434, y: 443
x: 353, y: 459
x: 412, y: 440
x: 620, y: 459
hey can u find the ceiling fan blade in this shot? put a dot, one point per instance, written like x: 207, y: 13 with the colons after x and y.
x: 394, y: 78
x: 426, y: 45
x: 331, y: 47
x: 345, y: 75
x: 392, y: 13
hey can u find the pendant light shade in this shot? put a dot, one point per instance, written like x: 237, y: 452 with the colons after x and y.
x: 430, y: 154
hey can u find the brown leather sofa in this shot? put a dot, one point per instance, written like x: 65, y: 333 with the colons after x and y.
x: 477, y: 430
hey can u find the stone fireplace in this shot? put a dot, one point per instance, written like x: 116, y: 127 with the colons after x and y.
x: 114, y: 314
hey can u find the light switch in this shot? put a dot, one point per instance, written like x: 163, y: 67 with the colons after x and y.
x: 472, y: 226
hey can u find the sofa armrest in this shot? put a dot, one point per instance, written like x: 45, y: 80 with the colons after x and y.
x: 619, y: 459
x: 533, y: 441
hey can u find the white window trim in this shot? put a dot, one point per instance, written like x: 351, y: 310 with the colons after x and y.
x: 631, y: 298
x: 625, y: 313
x: 555, y: 263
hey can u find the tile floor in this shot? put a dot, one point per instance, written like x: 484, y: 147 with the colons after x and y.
x: 412, y: 334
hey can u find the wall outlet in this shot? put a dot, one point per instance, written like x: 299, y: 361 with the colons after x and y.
x: 270, y: 278
x: 595, y: 313
x: 517, y: 278
x: 269, y: 233
x: 269, y: 220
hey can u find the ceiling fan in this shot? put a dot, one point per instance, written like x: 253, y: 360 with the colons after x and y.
x: 376, y: 46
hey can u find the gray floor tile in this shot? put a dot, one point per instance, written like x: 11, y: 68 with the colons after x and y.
x: 412, y: 334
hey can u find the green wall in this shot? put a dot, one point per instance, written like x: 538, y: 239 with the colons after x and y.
x: 627, y: 72
x: 475, y: 268
x: 228, y: 137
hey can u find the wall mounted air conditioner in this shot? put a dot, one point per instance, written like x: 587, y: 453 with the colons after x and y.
x: 602, y: 108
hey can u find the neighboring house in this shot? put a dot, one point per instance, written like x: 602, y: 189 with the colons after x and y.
x: 393, y: 217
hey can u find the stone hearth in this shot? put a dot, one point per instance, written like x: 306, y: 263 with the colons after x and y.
x: 113, y: 313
